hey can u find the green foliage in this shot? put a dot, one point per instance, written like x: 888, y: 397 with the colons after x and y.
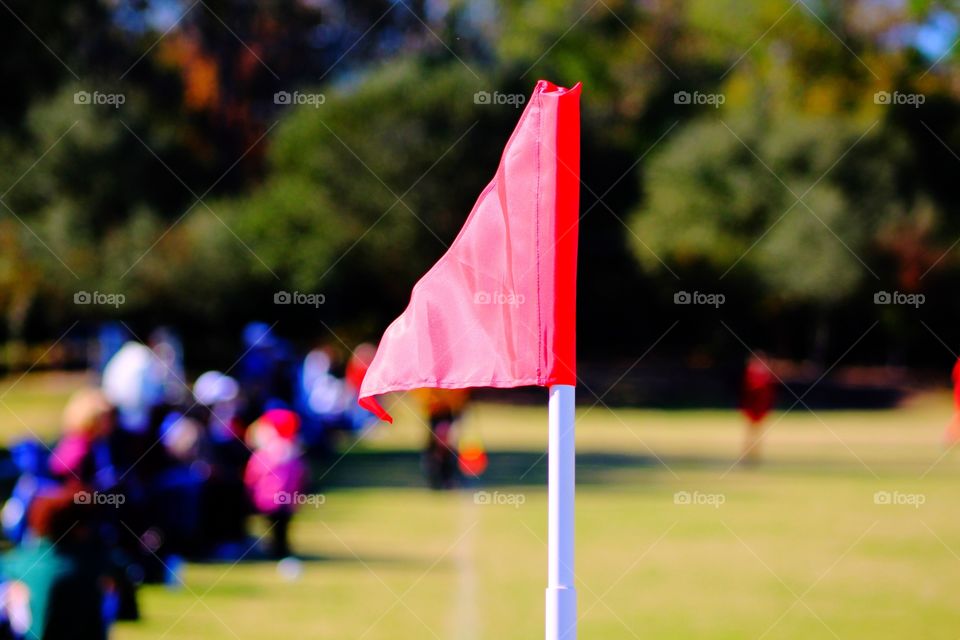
x: 357, y: 196
x: 375, y: 181
x: 766, y: 199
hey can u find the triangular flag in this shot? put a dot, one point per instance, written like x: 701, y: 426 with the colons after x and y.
x: 499, y: 308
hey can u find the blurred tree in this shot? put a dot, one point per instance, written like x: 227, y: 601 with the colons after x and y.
x: 109, y: 198
x: 355, y: 197
x: 361, y: 194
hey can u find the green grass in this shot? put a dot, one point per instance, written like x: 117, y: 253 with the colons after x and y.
x: 799, y: 549
x: 30, y: 405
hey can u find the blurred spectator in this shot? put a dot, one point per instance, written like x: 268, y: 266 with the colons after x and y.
x: 324, y: 393
x: 328, y: 403
x: 165, y: 343
x: 175, y: 492
x: 321, y: 399
x: 357, y: 366
x: 220, y: 394
x: 111, y: 336
x: 60, y: 570
x: 276, y: 474
x: 32, y: 460
x: 225, y: 504
x: 83, y: 452
x: 265, y: 370
x: 134, y: 381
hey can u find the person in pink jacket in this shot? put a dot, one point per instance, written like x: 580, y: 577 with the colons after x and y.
x: 82, y: 453
x: 276, y: 473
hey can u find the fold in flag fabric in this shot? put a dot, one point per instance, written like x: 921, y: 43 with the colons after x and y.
x: 499, y: 308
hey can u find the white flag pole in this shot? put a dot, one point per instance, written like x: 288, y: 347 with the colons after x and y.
x: 561, y: 592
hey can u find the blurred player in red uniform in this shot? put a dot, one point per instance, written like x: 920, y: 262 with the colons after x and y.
x: 952, y: 434
x: 757, y: 399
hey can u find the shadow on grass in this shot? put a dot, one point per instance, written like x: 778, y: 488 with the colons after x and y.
x: 401, y: 469
x: 345, y: 558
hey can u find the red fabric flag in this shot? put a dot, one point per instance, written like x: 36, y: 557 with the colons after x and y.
x: 499, y: 308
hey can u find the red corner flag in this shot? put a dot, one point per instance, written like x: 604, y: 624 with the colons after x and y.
x: 499, y: 308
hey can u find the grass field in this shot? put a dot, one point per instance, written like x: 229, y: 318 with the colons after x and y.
x: 795, y: 548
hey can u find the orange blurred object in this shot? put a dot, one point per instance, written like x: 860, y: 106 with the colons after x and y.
x: 472, y: 459
x: 440, y: 401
